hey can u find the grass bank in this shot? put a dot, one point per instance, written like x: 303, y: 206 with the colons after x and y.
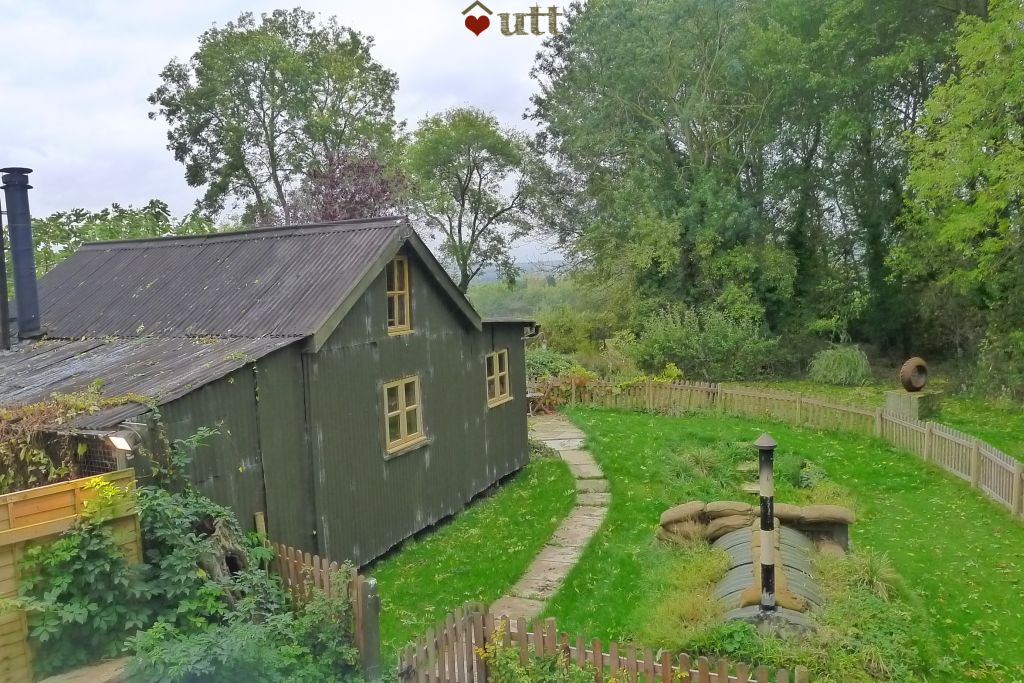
x: 957, y: 552
x: 475, y: 556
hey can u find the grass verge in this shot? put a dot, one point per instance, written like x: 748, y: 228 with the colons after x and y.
x: 475, y: 556
x: 956, y: 551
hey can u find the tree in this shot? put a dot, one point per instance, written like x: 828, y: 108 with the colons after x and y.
x: 346, y: 186
x: 263, y: 103
x: 469, y: 187
x: 964, y: 229
x: 57, y: 236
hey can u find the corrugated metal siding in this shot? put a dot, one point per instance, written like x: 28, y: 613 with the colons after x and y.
x: 367, y: 504
x: 229, y: 469
x: 287, y: 466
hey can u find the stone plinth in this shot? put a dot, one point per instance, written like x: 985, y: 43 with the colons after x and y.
x: 919, y: 405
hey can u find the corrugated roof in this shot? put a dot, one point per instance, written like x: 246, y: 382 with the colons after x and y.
x: 161, y: 317
x: 258, y: 283
x: 161, y: 369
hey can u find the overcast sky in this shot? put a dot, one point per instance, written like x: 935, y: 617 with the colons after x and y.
x: 76, y: 74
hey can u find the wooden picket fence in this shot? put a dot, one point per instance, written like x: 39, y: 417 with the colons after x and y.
x: 453, y: 652
x: 38, y: 516
x: 986, y: 468
x: 302, y: 572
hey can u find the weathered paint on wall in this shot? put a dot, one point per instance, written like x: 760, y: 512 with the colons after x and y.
x: 229, y: 469
x: 366, y: 502
x: 303, y: 434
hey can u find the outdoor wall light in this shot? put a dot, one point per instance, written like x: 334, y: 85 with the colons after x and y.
x: 125, y: 440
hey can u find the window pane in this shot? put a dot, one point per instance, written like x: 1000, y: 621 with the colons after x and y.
x: 490, y: 365
x: 412, y: 421
x: 502, y: 361
x: 399, y: 304
x: 503, y: 385
x: 391, y: 311
x: 394, y: 428
x: 400, y: 273
x: 410, y: 394
x: 390, y: 270
x: 492, y: 388
x: 392, y: 399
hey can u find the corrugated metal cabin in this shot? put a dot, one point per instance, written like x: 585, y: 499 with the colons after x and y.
x: 360, y: 397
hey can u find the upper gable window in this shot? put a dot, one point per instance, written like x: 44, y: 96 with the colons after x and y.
x: 498, y: 390
x: 398, y: 295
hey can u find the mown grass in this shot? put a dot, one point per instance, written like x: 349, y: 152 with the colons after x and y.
x: 958, y: 553
x: 1000, y: 422
x: 475, y: 556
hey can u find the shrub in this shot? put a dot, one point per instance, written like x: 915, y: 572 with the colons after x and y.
x: 704, y: 344
x: 543, y: 362
x: 1001, y: 365
x: 505, y: 665
x: 312, y: 645
x: 842, y: 365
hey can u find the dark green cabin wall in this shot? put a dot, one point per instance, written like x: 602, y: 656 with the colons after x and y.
x: 229, y: 468
x: 366, y: 504
x: 284, y: 443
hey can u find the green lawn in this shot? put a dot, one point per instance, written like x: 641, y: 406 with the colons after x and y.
x: 475, y: 556
x: 954, y: 548
x: 1000, y: 422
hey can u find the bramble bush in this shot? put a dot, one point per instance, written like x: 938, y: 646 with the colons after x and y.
x: 705, y: 344
x: 543, y: 362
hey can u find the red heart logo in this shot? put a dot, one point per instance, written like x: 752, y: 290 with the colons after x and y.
x: 477, y: 24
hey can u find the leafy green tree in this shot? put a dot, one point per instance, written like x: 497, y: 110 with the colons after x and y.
x: 469, y: 186
x: 262, y: 103
x: 57, y: 236
x: 967, y: 169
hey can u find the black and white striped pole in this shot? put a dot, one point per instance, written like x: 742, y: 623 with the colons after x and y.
x: 765, y: 445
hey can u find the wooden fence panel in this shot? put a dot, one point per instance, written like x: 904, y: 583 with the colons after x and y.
x: 35, y: 516
x: 435, y: 657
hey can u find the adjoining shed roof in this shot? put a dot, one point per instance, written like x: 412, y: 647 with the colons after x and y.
x: 161, y: 369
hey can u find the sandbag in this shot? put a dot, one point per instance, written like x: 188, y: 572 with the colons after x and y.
x: 691, y: 510
x: 830, y: 514
x: 726, y: 508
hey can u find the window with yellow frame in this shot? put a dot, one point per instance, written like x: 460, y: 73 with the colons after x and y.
x: 498, y: 390
x: 399, y: 290
x: 403, y: 414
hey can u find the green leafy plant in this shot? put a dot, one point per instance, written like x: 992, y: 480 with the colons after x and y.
x: 81, y: 594
x: 842, y: 365
x: 505, y: 665
x: 313, y: 644
x: 543, y: 362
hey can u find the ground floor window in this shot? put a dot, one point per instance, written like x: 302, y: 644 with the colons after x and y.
x: 403, y: 414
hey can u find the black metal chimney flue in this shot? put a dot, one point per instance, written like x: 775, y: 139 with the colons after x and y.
x: 5, y: 313
x: 19, y: 229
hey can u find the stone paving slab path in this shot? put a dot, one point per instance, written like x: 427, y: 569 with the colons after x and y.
x: 553, y: 563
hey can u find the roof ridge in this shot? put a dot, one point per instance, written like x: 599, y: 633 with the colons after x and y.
x: 272, y: 232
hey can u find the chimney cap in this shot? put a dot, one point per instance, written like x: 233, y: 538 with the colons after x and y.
x: 15, y: 175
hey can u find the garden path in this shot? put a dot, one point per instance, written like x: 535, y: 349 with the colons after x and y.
x: 553, y: 563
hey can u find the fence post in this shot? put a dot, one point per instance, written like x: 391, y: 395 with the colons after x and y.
x: 650, y: 395
x: 975, y: 464
x: 572, y: 386
x: 879, y: 416
x: 799, y: 408
x: 369, y: 629
x: 928, y: 441
x: 1017, y: 504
